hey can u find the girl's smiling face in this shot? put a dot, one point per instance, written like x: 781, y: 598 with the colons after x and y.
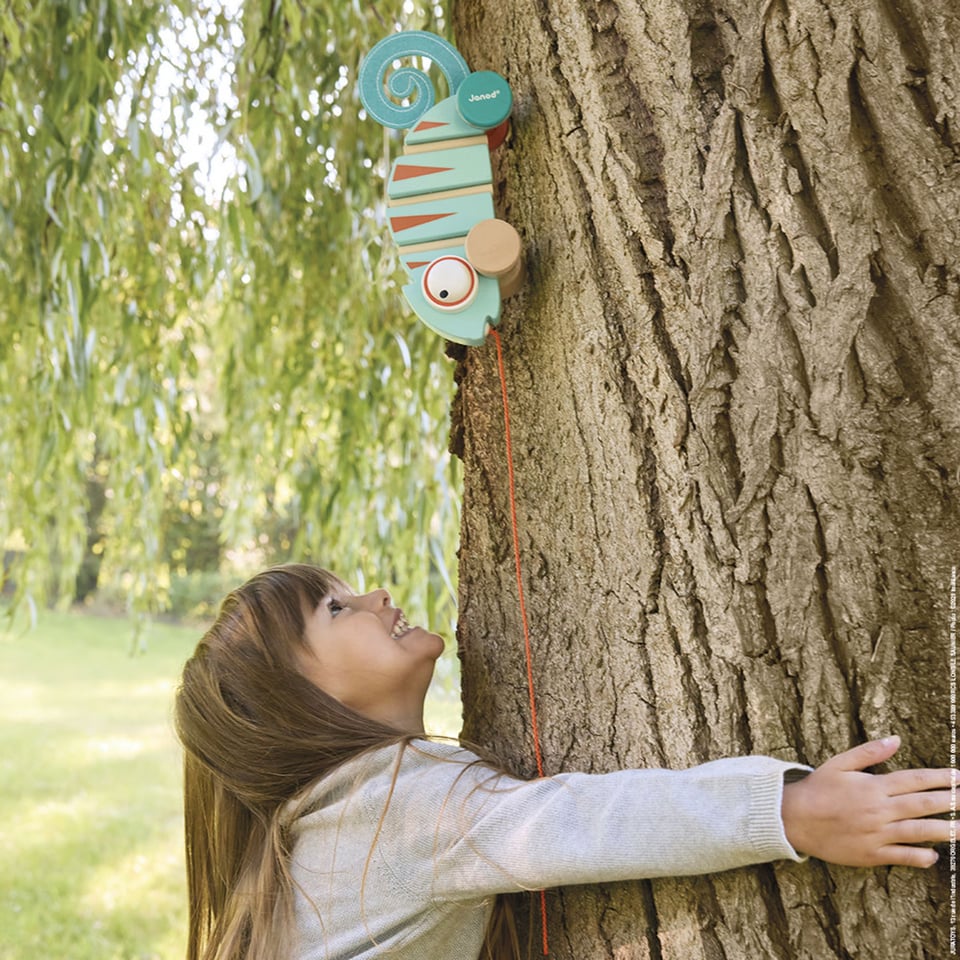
x: 361, y: 650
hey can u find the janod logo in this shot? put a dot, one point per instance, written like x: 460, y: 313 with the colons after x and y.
x: 474, y: 97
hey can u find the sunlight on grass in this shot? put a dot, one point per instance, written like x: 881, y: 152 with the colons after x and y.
x: 90, y: 791
x: 116, y: 892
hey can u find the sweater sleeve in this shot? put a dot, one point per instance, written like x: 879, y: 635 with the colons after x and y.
x: 495, y: 834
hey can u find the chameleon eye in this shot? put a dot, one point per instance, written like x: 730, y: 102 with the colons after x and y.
x: 450, y: 283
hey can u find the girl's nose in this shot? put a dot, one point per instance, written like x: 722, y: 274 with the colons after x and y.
x: 376, y: 599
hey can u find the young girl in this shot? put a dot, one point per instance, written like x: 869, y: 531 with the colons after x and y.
x: 321, y: 824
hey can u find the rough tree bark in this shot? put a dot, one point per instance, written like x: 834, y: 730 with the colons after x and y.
x: 733, y: 374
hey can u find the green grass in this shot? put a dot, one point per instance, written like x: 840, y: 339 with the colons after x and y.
x: 90, y: 827
x: 90, y: 807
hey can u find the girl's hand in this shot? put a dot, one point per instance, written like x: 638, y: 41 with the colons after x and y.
x: 842, y: 815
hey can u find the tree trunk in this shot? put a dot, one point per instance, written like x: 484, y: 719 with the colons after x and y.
x: 733, y: 375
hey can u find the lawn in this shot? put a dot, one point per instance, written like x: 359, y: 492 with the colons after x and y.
x: 91, y: 862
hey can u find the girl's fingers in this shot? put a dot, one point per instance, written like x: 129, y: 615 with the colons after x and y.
x: 920, y: 831
x: 914, y: 781
x: 927, y: 804
x: 907, y: 856
x: 865, y: 755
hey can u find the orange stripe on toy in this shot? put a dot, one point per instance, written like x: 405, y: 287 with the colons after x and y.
x: 409, y: 171
x: 428, y: 125
x: 399, y: 224
x: 414, y: 264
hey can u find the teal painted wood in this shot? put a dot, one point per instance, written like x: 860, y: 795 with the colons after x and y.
x: 407, y: 82
x: 445, y: 218
x: 484, y: 99
x: 437, y: 170
x: 443, y: 122
x: 468, y: 326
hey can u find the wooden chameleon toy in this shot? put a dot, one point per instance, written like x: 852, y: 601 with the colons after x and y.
x: 460, y: 259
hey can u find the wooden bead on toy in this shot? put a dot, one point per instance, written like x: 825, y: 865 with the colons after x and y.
x: 493, y: 247
x: 512, y: 282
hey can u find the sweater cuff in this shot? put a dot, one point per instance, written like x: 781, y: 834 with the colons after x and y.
x: 767, y: 833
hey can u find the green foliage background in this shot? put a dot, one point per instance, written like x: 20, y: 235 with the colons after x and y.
x: 214, y: 350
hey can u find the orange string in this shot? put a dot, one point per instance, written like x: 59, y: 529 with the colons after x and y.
x: 523, y: 609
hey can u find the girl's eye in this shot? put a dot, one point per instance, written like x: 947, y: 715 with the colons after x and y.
x: 334, y: 606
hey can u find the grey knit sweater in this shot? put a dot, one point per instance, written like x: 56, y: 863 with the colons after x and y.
x: 401, y: 856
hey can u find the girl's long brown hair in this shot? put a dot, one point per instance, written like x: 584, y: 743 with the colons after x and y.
x: 256, y: 733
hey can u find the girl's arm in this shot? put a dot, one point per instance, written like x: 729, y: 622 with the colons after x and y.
x: 843, y: 815
x: 483, y: 833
